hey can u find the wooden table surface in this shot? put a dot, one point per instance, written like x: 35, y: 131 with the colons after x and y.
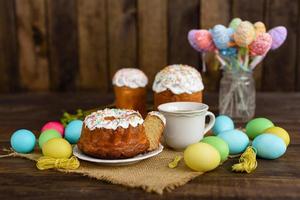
x: 277, y: 179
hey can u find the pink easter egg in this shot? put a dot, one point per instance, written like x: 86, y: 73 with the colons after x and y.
x: 261, y: 45
x: 278, y: 35
x: 55, y: 126
x: 201, y: 40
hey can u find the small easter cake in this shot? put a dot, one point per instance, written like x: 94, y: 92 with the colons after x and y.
x: 177, y: 83
x: 130, y: 89
x: 119, y: 133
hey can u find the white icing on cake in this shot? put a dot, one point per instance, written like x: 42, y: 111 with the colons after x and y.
x: 130, y: 77
x: 122, y: 118
x: 179, y: 79
x: 159, y: 115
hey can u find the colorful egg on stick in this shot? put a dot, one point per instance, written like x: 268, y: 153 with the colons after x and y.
x: 261, y: 45
x: 235, y: 22
x: 22, y: 141
x: 55, y: 126
x: 269, y: 146
x: 259, y: 27
x: 278, y: 35
x: 244, y: 34
x: 221, y: 36
x: 201, y: 40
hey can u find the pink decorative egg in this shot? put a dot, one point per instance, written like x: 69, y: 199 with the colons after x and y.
x: 55, y: 126
x: 201, y: 40
x: 278, y: 35
x: 261, y: 45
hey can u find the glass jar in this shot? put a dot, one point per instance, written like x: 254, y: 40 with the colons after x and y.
x: 237, y: 95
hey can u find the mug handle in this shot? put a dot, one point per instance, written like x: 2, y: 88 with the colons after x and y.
x: 211, y: 121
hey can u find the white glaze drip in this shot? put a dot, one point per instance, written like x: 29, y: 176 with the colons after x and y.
x: 122, y: 118
x: 159, y: 115
x: 179, y: 79
x: 130, y: 77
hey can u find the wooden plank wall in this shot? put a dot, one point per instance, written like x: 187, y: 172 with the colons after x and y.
x: 70, y: 45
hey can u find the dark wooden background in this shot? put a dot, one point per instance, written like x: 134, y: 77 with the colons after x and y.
x: 71, y: 45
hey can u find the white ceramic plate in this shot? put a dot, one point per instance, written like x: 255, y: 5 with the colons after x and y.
x: 116, y: 162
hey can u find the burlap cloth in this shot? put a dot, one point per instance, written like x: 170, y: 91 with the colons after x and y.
x: 152, y: 175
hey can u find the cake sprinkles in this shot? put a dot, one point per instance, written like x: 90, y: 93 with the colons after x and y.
x: 113, y: 118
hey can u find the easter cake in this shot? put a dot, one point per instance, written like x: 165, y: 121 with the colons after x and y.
x: 130, y: 89
x: 177, y: 83
x: 119, y: 133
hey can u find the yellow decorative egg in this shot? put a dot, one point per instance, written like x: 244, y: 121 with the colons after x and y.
x: 259, y: 27
x: 201, y: 157
x: 244, y: 34
x: 57, y: 148
x: 280, y: 132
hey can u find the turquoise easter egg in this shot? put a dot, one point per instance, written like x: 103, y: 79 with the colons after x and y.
x: 257, y: 126
x: 221, y: 36
x: 269, y: 146
x: 222, y: 123
x: 237, y: 141
x: 73, y: 131
x: 23, y: 141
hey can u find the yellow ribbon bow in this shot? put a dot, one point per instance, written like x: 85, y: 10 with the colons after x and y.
x: 247, y: 162
x: 46, y: 162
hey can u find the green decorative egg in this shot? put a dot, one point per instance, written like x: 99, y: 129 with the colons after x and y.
x: 47, y: 135
x: 219, y: 144
x: 257, y: 126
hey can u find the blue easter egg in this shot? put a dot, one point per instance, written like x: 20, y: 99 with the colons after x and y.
x: 220, y: 36
x: 237, y: 141
x: 23, y: 141
x: 73, y: 131
x: 269, y: 146
x: 222, y: 123
x: 230, y: 31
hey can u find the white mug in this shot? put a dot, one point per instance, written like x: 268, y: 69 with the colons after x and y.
x: 185, y: 123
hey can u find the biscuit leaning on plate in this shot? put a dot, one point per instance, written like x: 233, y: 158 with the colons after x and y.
x: 120, y: 133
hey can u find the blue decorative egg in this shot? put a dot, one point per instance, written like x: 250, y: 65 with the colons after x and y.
x: 221, y: 36
x: 237, y: 141
x: 269, y: 146
x: 222, y: 123
x: 73, y: 131
x: 23, y: 141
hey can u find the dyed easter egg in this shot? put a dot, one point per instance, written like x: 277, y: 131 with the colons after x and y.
x: 73, y: 131
x: 22, y: 141
x: 219, y: 144
x: 55, y: 126
x: 259, y: 27
x: 280, y: 132
x: 235, y: 22
x: 237, y: 141
x: 47, y: 135
x: 261, y: 45
x: 221, y: 37
x: 278, y: 35
x: 269, y: 146
x: 201, y: 40
x: 222, y: 123
x: 201, y: 157
x: 57, y: 148
x: 244, y: 34
x: 257, y: 126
